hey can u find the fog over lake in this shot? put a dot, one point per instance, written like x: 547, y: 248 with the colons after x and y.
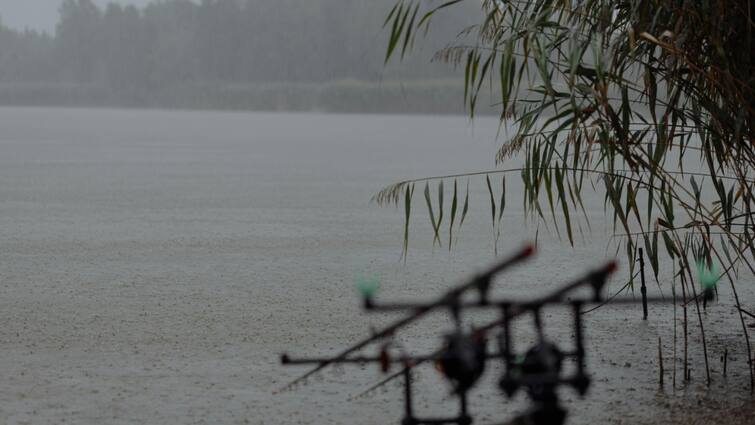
x: 42, y: 15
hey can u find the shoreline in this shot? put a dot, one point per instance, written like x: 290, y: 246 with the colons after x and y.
x: 419, y: 97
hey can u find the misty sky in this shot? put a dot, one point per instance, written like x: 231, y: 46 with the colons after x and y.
x: 41, y: 14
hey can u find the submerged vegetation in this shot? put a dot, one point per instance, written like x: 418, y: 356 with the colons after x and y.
x: 649, y: 100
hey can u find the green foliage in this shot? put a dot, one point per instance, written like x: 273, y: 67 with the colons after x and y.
x: 621, y: 94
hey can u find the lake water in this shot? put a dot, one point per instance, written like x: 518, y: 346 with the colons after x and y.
x: 154, y: 264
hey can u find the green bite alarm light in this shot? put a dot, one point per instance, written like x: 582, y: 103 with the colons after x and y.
x: 707, y: 275
x: 367, y: 286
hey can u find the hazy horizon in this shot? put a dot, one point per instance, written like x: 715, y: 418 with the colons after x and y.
x: 42, y: 15
x: 227, y: 54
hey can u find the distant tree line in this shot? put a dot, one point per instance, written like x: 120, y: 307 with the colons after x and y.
x: 135, y: 52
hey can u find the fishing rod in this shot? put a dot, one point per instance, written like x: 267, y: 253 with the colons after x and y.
x: 595, y: 278
x: 481, y: 282
x: 464, y: 356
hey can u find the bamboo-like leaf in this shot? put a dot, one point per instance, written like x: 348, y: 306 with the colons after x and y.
x: 671, y: 249
x: 391, y: 13
x: 502, y: 203
x: 654, y: 263
x: 631, y: 250
x: 467, y: 75
x: 409, y: 28
x: 564, y: 205
x: 725, y: 249
x: 440, y: 202
x: 492, y: 199
x: 465, y: 208
x: 399, y: 21
x: 454, y: 203
x: 613, y: 193
x: 429, y: 202
x: 408, y: 193
x: 549, y: 196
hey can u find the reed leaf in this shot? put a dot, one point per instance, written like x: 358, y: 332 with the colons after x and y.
x: 492, y: 200
x: 454, y: 204
x: 433, y: 222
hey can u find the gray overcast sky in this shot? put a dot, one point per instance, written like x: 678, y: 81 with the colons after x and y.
x: 41, y: 14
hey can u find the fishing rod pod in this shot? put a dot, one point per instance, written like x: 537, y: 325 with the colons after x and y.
x: 464, y: 355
